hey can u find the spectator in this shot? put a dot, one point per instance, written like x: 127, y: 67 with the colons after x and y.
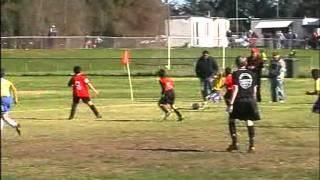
x: 52, y: 32
x: 206, y: 69
x: 280, y: 38
x: 290, y: 39
x: 255, y: 64
x: 277, y: 69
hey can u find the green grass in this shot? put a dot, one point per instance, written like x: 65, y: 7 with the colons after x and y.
x: 144, y: 61
x: 131, y: 141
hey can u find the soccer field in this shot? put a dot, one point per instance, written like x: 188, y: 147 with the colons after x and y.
x: 131, y: 141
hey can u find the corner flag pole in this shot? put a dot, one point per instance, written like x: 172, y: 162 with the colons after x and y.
x: 125, y: 61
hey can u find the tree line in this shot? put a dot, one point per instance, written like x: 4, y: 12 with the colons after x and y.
x: 131, y: 17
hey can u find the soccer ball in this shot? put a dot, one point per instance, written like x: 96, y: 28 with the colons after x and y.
x: 195, y: 106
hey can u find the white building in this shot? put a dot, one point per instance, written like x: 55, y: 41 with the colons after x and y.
x: 193, y: 31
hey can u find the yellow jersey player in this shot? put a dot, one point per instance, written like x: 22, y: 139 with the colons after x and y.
x: 8, y: 94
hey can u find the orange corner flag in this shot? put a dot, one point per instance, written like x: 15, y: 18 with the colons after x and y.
x: 125, y: 57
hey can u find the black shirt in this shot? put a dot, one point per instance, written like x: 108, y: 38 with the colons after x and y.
x: 246, y: 81
x: 206, y: 67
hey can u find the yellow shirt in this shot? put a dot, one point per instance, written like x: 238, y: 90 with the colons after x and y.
x: 5, y: 87
x: 317, y: 85
x: 219, y: 83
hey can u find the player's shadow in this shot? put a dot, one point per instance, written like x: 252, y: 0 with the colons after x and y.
x: 177, y: 150
x: 43, y: 119
x: 125, y: 120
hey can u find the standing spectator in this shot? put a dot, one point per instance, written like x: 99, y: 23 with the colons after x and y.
x: 243, y: 105
x: 8, y: 93
x: 80, y: 86
x: 277, y: 70
x: 206, y: 69
x: 290, y: 39
x: 52, y: 32
x: 315, y: 38
x: 255, y: 64
x: 280, y: 38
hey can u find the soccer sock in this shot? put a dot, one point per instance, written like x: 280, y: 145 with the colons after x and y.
x: 177, y: 113
x: 73, y: 110
x: 233, y: 131
x: 251, y: 134
x: 94, y: 110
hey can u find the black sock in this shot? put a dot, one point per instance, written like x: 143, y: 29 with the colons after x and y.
x: 73, y: 110
x: 177, y: 113
x: 251, y: 135
x: 233, y: 132
x: 94, y: 110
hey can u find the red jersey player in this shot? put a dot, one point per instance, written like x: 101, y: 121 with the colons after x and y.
x: 80, y: 86
x: 167, y: 95
x: 229, y: 87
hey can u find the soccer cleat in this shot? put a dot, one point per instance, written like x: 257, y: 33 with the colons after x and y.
x: 251, y: 149
x: 232, y: 147
x: 18, y: 129
x: 180, y: 118
x: 70, y: 118
x: 99, y: 117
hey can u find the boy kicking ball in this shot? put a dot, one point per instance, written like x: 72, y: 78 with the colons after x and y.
x: 166, y: 102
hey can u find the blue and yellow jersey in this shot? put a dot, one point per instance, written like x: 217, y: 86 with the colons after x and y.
x: 218, y: 83
x: 6, y: 87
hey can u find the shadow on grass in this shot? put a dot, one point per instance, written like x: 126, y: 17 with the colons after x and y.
x: 177, y: 150
x: 44, y: 119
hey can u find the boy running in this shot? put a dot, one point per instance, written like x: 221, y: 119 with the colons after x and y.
x: 229, y: 87
x: 243, y: 104
x: 8, y: 92
x: 80, y: 86
x: 166, y: 101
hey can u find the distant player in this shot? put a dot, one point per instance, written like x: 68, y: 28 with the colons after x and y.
x: 80, y: 86
x: 243, y: 104
x: 316, y: 76
x: 8, y: 93
x: 166, y: 102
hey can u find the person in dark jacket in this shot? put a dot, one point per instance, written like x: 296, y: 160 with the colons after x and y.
x: 255, y: 64
x: 206, y: 69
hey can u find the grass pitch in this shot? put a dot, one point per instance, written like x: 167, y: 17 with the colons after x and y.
x: 131, y: 141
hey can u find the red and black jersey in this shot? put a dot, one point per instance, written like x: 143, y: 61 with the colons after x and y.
x: 166, y: 84
x: 79, y: 85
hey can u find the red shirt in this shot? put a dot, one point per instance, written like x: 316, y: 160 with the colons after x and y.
x: 229, y: 82
x: 166, y: 83
x: 79, y: 85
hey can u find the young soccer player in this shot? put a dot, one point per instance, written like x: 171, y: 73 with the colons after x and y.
x: 229, y: 87
x: 215, y: 96
x: 243, y: 104
x: 8, y: 93
x: 80, y: 86
x: 316, y: 76
x: 166, y: 102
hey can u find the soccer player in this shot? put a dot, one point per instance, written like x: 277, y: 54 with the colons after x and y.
x: 8, y: 93
x: 166, y: 102
x: 316, y: 76
x: 80, y: 85
x: 243, y: 104
x: 229, y: 87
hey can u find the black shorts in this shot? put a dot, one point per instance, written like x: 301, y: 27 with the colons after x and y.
x: 167, y: 98
x: 76, y: 99
x: 245, y: 109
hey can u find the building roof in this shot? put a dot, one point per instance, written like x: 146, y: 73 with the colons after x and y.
x: 272, y: 24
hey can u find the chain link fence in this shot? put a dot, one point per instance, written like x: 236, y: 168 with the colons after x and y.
x: 65, y: 42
